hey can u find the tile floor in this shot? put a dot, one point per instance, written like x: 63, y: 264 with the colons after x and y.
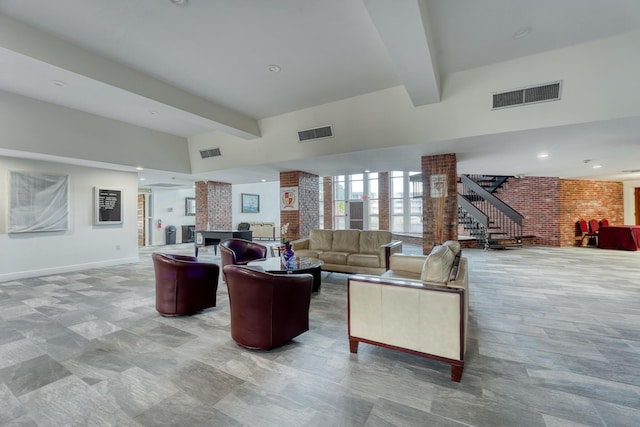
x: 554, y: 341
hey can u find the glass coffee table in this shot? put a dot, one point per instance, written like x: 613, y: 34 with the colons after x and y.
x: 301, y: 264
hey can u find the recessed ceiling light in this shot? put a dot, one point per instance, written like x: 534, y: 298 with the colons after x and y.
x: 180, y: 2
x: 367, y: 171
x: 521, y: 32
x: 543, y: 155
x: 596, y: 166
x: 274, y: 68
x: 263, y: 180
x: 59, y: 83
x: 139, y: 168
x: 141, y: 179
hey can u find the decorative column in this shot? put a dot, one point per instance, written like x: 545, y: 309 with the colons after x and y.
x: 299, y: 203
x: 384, y: 201
x: 439, y: 200
x: 213, y: 206
x: 327, y: 207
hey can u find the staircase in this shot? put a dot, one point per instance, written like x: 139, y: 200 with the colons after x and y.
x: 488, y: 219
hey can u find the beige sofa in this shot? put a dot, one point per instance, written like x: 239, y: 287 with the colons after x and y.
x: 349, y: 251
x: 418, y: 306
x: 263, y: 230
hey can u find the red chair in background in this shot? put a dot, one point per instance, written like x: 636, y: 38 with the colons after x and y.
x: 594, y: 226
x: 604, y: 222
x: 586, y: 233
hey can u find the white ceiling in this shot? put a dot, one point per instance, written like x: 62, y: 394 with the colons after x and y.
x: 328, y: 50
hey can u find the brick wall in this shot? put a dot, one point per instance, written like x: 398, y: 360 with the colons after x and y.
x: 580, y: 199
x: 552, y: 206
x: 307, y: 217
x: 538, y: 200
x: 213, y: 205
x: 444, y: 164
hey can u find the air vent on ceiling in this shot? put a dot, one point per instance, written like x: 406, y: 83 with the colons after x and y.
x: 211, y: 152
x: 527, y: 95
x: 317, y: 133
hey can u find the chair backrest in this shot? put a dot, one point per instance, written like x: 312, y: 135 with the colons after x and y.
x: 604, y: 222
x: 267, y: 310
x: 184, y: 285
x: 244, y: 226
x: 584, y: 228
x: 593, y: 224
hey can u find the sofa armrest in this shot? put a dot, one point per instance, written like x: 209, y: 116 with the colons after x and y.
x: 393, y: 247
x: 411, y: 263
x: 300, y: 244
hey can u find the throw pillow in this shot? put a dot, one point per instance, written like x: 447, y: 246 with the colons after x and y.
x: 437, y: 267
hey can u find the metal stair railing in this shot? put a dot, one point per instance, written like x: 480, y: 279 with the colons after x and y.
x: 503, y: 223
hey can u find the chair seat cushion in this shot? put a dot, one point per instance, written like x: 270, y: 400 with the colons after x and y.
x: 334, y: 257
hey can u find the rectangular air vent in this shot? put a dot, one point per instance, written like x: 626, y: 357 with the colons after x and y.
x: 211, y: 152
x: 317, y: 133
x: 527, y: 95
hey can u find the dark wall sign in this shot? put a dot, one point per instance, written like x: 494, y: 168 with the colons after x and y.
x: 108, y: 205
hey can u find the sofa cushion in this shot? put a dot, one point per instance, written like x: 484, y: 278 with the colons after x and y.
x: 454, y: 245
x: 346, y: 241
x: 371, y: 240
x: 308, y: 253
x: 331, y: 257
x: 364, y: 260
x: 437, y: 267
x: 320, y: 240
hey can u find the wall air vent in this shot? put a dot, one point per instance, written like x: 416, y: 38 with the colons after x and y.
x: 317, y: 133
x: 211, y: 152
x: 527, y: 95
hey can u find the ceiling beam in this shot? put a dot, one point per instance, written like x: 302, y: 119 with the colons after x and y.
x: 403, y: 27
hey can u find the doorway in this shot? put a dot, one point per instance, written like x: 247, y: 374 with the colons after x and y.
x: 356, y: 214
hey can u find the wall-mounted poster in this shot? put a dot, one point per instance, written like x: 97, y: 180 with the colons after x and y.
x: 438, y: 186
x: 39, y: 202
x: 289, y: 198
x: 107, y: 206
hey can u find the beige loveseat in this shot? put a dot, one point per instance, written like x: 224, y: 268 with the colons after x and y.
x: 418, y: 306
x: 349, y: 251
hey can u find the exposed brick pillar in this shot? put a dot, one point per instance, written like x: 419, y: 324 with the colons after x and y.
x: 327, y: 209
x: 307, y: 217
x: 383, y: 200
x: 439, y: 200
x: 213, y: 205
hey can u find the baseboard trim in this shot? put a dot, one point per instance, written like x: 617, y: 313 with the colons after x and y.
x: 65, y: 269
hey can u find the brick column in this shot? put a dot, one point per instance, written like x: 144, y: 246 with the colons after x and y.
x: 327, y: 189
x: 383, y: 200
x: 213, y: 206
x: 439, y: 200
x: 307, y: 217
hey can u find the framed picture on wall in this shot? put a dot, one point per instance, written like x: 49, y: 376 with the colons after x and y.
x: 190, y: 206
x: 250, y: 203
x: 38, y: 202
x: 107, y: 206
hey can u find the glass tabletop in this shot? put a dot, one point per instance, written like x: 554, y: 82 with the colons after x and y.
x: 275, y: 264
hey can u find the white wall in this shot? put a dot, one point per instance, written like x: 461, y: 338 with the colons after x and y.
x: 169, y: 206
x: 83, y: 245
x: 269, y: 193
x: 630, y: 201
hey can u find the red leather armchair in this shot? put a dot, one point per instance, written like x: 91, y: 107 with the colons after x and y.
x: 184, y: 285
x: 267, y: 310
x: 240, y: 252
